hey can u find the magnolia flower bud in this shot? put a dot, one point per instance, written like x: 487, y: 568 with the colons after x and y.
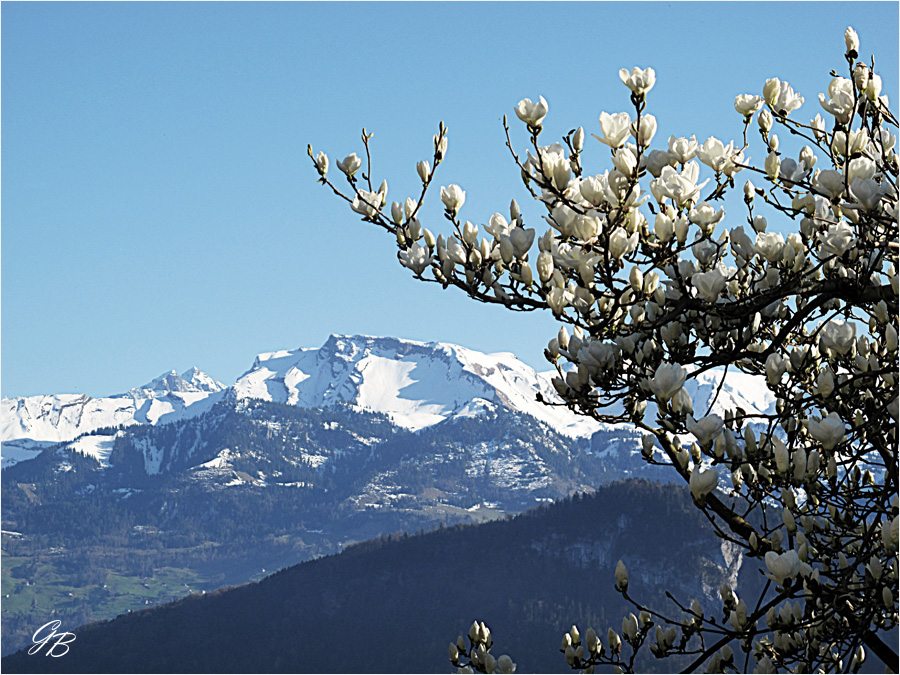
x: 505, y: 665
x: 470, y: 233
x: 682, y: 403
x: 668, y: 379
x: 873, y: 87
x: 396, y: 213
x: 702, y: 483
x: 773, y: 166
x: 322, y: 163
x: 622, y: 576
x: 614, y: 641
x: 578, y: 139
x: 636, y: 278
x: 851, y: 40
x: 765, y: 120
x: 860, y: 76
x: 424, y: 169
x: 749, y: 191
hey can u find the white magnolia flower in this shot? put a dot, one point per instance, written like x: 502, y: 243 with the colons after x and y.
x: 456, y: 251
x: 860, y: 168
x: 714, y: 153
x: 682, y: 187
x: 828, y: 431
x: 706, y: 429
x: 836, y: 240
x: 625, y: 160
x: 741, y: 244
x: 415, y: 258
x: 366, y: 203
x: 497, y: 226
x: 639, y: 81
x: 782, y: 567
x: 615, y: 129
x: 706, y: 216
x: 683, y: 149
x: 709, y: 284
x: 776, y: 366
x: 839, y: 336
x: 781, y: 453
x: 522, y: 240
x: 825, y: 382
x: 668, y: 379
x: 630, y: 627
x: 792, y: 172
x: 703, y: 483
x: 350, y: 164
x: 655, y: 161
x: 682, y: 403
x: 594, y: 188
x: 839, y: 101
x: 781, y: 96
x: 532, y: 113
x: 829, y: 183
x: 664, y: 227
x: 453, y: 197
x: 621, y: 244
x: 769, y: 245
x: 747, y: 104
x: 647, y: 130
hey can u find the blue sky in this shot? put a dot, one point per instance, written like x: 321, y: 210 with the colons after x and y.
x: 159, y: 210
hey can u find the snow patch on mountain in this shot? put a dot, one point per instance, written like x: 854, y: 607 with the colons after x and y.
x: 96, y: 446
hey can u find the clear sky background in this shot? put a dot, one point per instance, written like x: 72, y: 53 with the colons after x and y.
x: 159, y: 210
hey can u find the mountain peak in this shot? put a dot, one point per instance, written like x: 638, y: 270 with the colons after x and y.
x: 193, y: 380
x: 417, y: 384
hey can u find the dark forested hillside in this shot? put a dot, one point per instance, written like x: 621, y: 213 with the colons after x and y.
x: 253, y: 486
x: 393, y: 604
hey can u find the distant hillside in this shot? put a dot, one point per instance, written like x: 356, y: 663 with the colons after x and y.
x: 394, y: 603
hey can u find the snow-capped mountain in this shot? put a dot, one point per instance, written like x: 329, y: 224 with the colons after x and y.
x: 415, y: 384
x: 28, y: 424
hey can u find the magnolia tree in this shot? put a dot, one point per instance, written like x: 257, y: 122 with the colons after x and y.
x: 653, y: 288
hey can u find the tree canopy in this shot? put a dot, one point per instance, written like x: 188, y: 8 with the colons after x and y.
x: 653, y: 286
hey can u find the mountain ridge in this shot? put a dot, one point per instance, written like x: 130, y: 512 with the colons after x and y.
x: 416, y: 384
